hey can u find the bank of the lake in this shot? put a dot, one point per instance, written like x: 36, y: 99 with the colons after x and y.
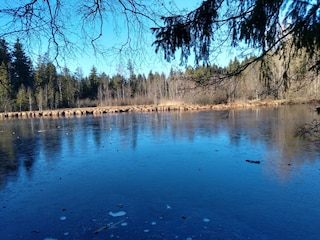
x: 165, y: 106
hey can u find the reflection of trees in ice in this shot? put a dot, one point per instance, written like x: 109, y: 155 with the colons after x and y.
x: 22, y: 141
x: 272, y: 131
x: 310, y: 131
x: 17, y: 150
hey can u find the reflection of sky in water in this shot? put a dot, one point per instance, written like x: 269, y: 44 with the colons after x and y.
x: 169, y: 175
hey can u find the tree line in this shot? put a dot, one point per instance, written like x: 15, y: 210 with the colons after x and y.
x: 24, y: 86
x: 27, y: 87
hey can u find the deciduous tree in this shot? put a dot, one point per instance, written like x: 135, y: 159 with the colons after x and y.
x: 71, y: 27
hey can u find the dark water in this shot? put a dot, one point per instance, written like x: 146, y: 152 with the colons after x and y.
x: 168, y: 175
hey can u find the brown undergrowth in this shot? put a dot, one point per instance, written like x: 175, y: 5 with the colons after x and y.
x: 162, y: 106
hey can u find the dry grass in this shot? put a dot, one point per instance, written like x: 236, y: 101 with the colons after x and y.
x: 164, y: 105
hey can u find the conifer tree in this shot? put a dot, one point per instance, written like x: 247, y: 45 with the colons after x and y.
x: 93, y: 83
x: 21, y: 68
x: 4, y: 88
x: 51, y: 89
x: 5, y: 56
x: 5, y: 64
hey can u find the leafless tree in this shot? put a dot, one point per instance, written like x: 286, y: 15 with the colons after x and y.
x: 65, y: 28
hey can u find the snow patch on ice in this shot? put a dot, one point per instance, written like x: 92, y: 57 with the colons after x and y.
x: 117, y: 214
x: 206, y: 220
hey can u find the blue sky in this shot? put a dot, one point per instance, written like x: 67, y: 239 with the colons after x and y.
x: 114, y: 34
x: 143, y: 60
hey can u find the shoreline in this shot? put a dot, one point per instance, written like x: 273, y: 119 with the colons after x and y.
x: 170, y: 106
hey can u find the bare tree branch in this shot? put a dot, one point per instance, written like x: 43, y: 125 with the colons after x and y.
x: 67, y: 27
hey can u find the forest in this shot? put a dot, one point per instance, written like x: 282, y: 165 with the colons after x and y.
x: 26, y: 86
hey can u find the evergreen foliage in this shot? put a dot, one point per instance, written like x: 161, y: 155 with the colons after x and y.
x: 267, y: 26
x: 21, y: 68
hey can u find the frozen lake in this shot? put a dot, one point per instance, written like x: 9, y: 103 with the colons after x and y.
x: 168, y: 175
